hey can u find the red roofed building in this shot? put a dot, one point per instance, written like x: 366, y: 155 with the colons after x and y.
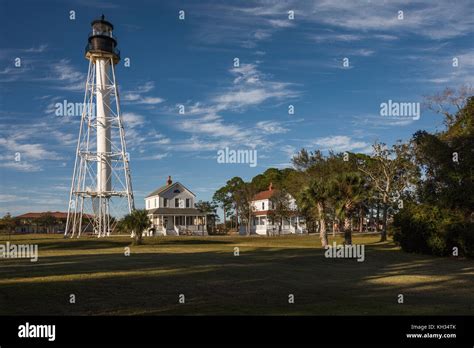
x: 262, y: 223
x: 44, y: 222
x: 55, y: 214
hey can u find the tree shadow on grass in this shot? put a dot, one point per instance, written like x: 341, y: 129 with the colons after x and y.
x: 256, y: 282
x: 193, y: 242
x: 83, y: 244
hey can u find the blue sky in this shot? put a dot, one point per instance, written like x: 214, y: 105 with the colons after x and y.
x: 190, y: 62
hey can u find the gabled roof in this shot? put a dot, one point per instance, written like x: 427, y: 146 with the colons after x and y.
x: 159, y: 190
x: 166, y: 187
x: 265, y: 194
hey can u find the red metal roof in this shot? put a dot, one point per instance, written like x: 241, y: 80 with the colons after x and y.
x: 265, y: 194
x: 56, y: 214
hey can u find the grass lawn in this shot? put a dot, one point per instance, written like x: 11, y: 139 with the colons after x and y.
x: 214, y: 281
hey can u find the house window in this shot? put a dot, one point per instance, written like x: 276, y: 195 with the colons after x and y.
x: 263, y: 205
x: 156, y: 202
x: 176, y: 202
x: 188, y: 203
x: 165, y: 202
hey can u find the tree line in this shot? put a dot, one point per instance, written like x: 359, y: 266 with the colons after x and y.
x: 421, y: 190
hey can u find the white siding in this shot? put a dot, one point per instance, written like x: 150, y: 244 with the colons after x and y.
x: 182, y: 195
x: 171, y: 195
x: 261, y: 205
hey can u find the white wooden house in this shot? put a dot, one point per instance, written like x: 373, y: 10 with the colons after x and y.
x: 262, y: 223
x: 171, y: 209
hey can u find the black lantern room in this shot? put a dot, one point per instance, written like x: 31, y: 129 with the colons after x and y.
x: 101, y: 41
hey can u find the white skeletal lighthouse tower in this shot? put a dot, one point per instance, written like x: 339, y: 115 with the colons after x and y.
x: 101, y: 189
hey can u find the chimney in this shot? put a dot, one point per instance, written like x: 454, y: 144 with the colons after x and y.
x: 169, y: 181
x: 270, y: 187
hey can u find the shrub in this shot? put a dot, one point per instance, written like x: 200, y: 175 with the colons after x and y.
x: 433, y: 230
x: 462, y: 235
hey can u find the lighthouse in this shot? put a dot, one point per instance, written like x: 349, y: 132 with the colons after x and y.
x: 101, y: 189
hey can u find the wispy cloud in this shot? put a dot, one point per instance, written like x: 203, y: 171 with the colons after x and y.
x: 434, y: 20
x: 341, y: 143
x: 378, y: 122
x: 30, y: 151
x: 245, y: 25
x: 155, y: 157
x: 132, y: 120
x: 249, y: 88
x: 59, y: 74
x: 271, y: 127
x: 349, y: 37
x: 445, y: 73
x: 25, y: 149
x: 39, y: 49
x: 67, y: 76
x: 137, y: 96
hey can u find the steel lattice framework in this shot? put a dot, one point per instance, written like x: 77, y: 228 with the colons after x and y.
x: 101, y: 189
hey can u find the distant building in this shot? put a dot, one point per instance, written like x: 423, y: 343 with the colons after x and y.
x: 44, y: 222
x: 171, y: 209
x: 262, y: 222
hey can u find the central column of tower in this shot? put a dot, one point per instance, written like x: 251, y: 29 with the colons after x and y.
x: 102, y: 67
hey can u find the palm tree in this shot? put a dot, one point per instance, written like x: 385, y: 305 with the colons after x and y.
x: 136, y: 222
x: 348, y: 191
x: 313, y: 199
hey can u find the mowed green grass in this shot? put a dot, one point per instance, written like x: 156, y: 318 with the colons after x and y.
x: 214, y: 281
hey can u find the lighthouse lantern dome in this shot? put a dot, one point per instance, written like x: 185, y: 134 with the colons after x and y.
x: 101, y: 41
